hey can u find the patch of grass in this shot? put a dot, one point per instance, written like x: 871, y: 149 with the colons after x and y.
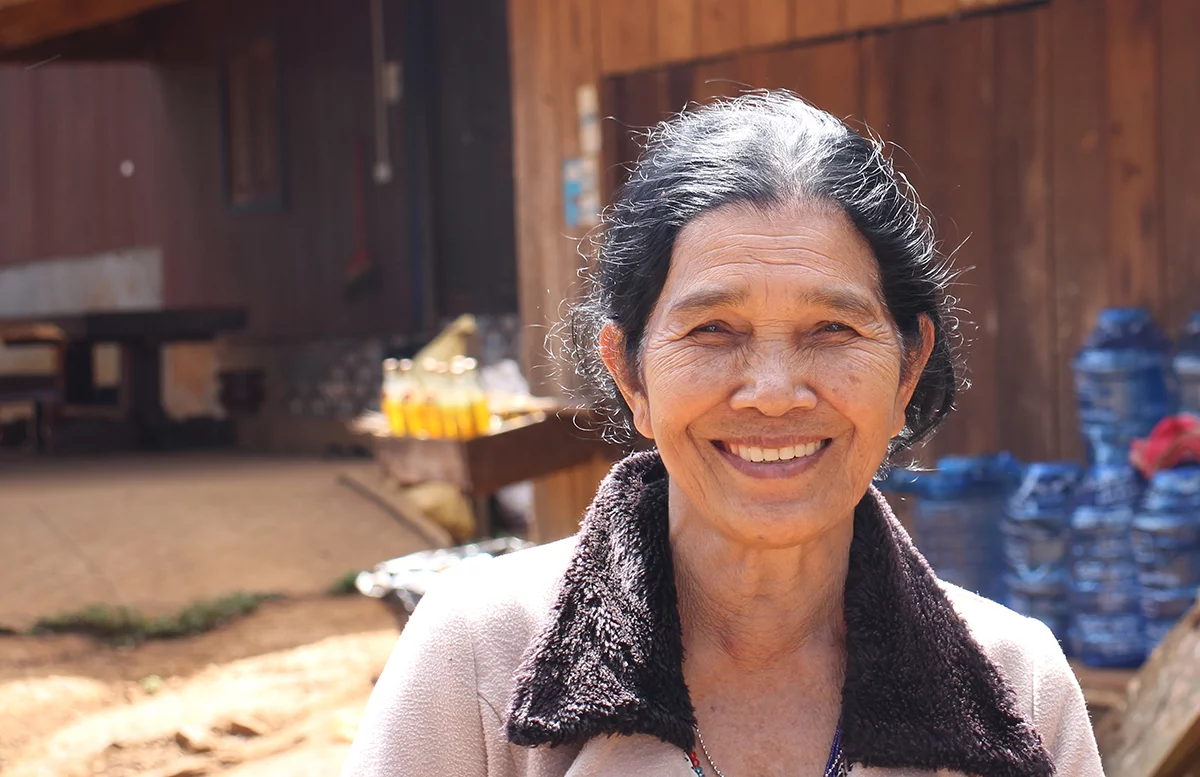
x: 343, y: 586
x: 126, y: 626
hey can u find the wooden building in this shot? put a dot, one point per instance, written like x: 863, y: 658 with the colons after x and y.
x: 1051, y: 140
x: 242, y: 139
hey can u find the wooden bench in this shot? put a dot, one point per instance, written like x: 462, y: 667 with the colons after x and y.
x: 44, y: 392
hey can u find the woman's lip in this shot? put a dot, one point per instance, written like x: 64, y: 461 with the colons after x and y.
x: 769, y: 442
x: 767, y: 470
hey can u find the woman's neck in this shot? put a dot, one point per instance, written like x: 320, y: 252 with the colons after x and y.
x: 758, y: 608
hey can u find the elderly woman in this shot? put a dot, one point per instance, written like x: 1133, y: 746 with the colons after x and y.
x: 770, y: 311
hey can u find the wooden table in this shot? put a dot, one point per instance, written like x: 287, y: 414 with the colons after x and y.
x: 545, y: 444
x: 141, y: 335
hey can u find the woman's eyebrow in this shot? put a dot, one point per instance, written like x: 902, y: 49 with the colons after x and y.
x: 841, y: 301
x: 708, y: 298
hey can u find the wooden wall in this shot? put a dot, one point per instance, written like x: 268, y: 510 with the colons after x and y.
x: 64, y: 132
x: 1051, y: 142
x: 287, y: 265
x: 440, y: 233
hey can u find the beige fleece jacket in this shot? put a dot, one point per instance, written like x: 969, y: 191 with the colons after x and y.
x: 439, y: 707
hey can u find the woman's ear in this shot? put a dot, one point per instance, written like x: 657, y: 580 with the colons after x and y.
x: 914, y: 363
x: 612, y: 352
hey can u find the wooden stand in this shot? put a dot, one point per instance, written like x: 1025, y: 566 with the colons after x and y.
x: 546, y: 445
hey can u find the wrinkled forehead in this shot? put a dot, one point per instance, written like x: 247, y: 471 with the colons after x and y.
x: 805, y: 241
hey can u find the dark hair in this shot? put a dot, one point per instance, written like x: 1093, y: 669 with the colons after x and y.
x: 764, y: 149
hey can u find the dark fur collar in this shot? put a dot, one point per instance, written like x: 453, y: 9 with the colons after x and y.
x: 919, y: 692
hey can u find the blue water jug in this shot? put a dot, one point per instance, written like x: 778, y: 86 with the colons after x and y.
x: 1166, y: 546
x: 957, y: 520
x: 1124, y: 382
x: 1106, y: 625
x: 1035, y: 531
x: 1187, y: 366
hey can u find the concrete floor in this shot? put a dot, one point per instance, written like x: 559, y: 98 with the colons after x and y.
x: 160, y: 532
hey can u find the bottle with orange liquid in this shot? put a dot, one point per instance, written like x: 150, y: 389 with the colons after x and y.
x: 391, y: 401
x: 476, y: 399
x: 432, y: 421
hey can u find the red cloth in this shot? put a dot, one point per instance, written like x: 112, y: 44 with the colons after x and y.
x: 1173, y: 441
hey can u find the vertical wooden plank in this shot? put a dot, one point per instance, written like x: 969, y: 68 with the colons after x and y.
x: 720, y: 78
x: 877, y: 62
x: 768, y: 22
x: 627, y: 35
x: 1180, y: 158
x: 1078, y: 192
x: 1135, y: 225
x: 675, y: 27
x: 923, y: 9
x: 914, y: 81
x: 818, y: 18
x: 825, y: 74
x: 965, y: 217
x: 528, y: 166
x: 17, y: 170
x: 720, y: 26
x: 756, y: 71
x: 1024, y: 291
x: 866, y: 14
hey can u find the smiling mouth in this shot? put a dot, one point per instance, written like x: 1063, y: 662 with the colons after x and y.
x: 758, y: 454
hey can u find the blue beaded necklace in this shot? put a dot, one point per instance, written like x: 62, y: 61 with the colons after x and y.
x: 836, y: 766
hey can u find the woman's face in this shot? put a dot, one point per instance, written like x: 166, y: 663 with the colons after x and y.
x: 772, y: 375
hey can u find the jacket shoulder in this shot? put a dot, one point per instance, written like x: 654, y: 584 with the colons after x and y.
x: 1045, y: 689
x: 502, y: 603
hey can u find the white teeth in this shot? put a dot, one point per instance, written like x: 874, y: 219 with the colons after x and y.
x: 756, y: 454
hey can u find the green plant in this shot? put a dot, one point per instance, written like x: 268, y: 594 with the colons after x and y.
x: 344, y: 585
x: 126, y: 626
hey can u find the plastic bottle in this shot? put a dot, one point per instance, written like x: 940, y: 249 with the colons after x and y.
x: 1166, y: 547
x: 392, y: 399
x: 1123, y: 382
x: 476, y: 397
x: 413, y: 402
x: 457, y: 402
x: 957, y: 520
x: 1106, y: 628
x: 1187, y: 366
x: 1035, y: 530
x: 431, y: 385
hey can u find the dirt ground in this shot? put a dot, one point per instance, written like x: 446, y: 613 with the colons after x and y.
x: 276, y: 694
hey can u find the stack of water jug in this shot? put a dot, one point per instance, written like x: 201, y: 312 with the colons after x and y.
x: 1108, y: 561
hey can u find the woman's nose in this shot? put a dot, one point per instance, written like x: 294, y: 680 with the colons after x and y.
x: 774, y: 383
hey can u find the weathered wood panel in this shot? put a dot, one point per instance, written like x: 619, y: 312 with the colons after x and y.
x: 819, y: 20
x: 627, y: 35
x: 865, y: 14
x: 923, y: 9
x: 1180, y: 93
x: 875, y: 95
x: 1079, y: 201
x: 675, y: 30
x: 722, y: 78
x: 915, y: 83
x: 965, y: 209
x: 720, y: 26
x: 769, y: 22
x: 1027, y: 359
x: 65, y: 133
x: 1133, y: 161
